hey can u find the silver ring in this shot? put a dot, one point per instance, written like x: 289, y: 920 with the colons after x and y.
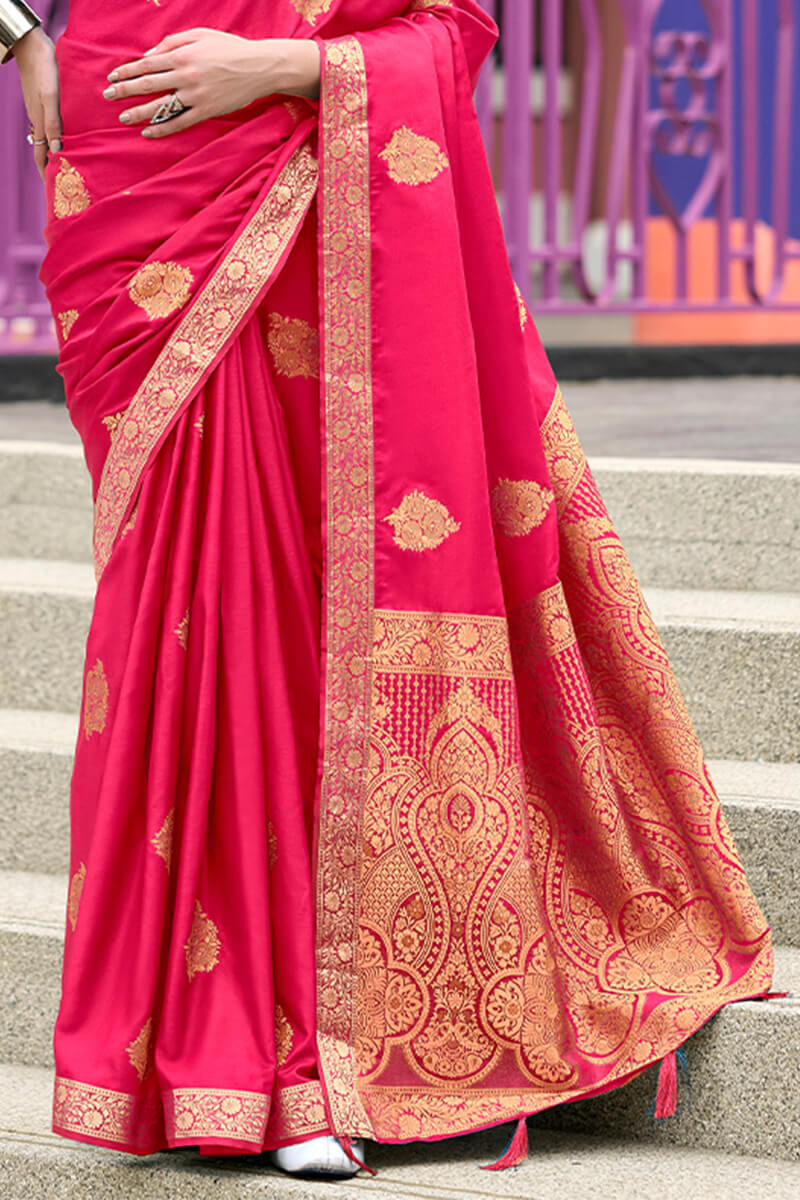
x: 32, y: 141
x: 170, y: 108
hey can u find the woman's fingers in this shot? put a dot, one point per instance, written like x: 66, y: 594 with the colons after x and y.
x: 144, y: 85
x: 150, y: 65
x: 40, y: 153
x: 186, y: 119
x: 52, y: 122
x: 142, y: 112
x: 173, y: 40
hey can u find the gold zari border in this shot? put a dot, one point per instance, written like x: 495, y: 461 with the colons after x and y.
x: 213, y: 319
x: 350, y: 520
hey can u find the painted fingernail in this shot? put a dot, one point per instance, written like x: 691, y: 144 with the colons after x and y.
x: 126, y: 117
x: 110, y: 93
x: 150, y: 51
x: 55, y: 146
x: 113, y: 77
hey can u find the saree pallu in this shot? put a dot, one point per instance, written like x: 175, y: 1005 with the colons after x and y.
x: 388, y: 817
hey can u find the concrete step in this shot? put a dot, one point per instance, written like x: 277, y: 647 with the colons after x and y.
x: 745, y: 1059
x: 761, y: 800
x: 699, y: 523
x: 735, y: 654
x: 45, y: 501
x: 36, y: 1162
x: 45, y: 609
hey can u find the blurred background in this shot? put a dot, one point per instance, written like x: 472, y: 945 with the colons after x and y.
x: 646, y: 155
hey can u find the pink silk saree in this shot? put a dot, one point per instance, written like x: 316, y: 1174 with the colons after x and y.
x: 388, y: 818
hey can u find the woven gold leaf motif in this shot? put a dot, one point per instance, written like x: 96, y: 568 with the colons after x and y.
x: 70, y: 194
x: 160, y: 288
x: 421, y: 523
x: 309, y: 10
x: 294, y: 346
x: 95, y: 700
x: 75, y: 893
x: 139, y: 1049
x: 284, y: 1035
x: 411, y: 158
x: 519, y: 505
x: 181, y: 630
x: 162, y: 841
x: 66, y: 320
x: 203, y: 946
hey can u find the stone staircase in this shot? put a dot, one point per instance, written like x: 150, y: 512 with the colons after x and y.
x: 717, y: 546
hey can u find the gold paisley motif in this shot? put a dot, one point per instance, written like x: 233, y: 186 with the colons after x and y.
x: 95, y: 700
x: 75, y: 893
x: 70, y: 194
x: 199, y: 423
x: 523, y: 308
x: 66, y: 320
x: 294, y: 346
x: 284, y: 1036
x: 181, y: 630
x: 160, y: 288
x: 421, y: 523
x: 309, y: 10
x: 139, y: 1049
x: 203, y: 947
x: 413, y: 159
x: 519, y: 505
x: 162, y: 841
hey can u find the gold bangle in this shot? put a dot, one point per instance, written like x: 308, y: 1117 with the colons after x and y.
x: 16, y: 19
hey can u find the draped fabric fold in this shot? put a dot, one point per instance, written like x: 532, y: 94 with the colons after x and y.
x: 388, y: 816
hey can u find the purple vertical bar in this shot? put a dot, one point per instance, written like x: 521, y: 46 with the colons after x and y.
x: 750, y: 154
x: 724, y: 32
x: 553, y: 53
x: 586, y: 156
x: 638, y: 23
x: 517, y: 150
x: 782, y: 151
x: 484, y: 98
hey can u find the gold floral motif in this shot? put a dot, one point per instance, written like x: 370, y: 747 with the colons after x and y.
x: 199, y: 423
x: 284, y: 1036
x: 193, y: 1113
x: 441, y: 644
x: 139, y: 1049
x: 523, y: 308
x: 95, y: 700
x: 412, y: 158
x: 203, y: 946
x: 421, y: 523
x: 112, y: 423
x: 520, y: 505
x: 66, y: 320
x: 181, y: 630
x: 94, y: 1112
x: 75, y: 893
x: 70, y: 194
x: 294, y: 346
x: 162, y: 841
x: 309, y: 10
x: 566, y: 462
x: 131, y: 521
x: 427, y: 5
x: 211, y: 320
x: 160, y: 288
x: 297, y: 1111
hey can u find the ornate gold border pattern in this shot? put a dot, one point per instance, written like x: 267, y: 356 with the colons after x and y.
x: 350, y: 522
x: 211, y: 322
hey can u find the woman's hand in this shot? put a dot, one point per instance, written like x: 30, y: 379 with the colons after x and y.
x: 35, y: 56
x: 213, y: 73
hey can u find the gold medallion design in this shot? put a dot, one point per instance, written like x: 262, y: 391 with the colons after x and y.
x: 181, y: 630
x: 95, y: 700
x: 75, y: 893
x: 412, y: 158
x: 203, y: 946
x: 66, y: 320
x: 284, y: 1035
x: 160, y: 288
x: 519, y: 505
x: 309, y: 10
x: 162, y: 841
x: 523, y: 308
x: 421, y: 523
x: 70, y: 194
x: 294, y: 346
x: 139, y: 1049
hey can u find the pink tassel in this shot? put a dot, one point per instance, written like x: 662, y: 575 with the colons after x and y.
x: 667, y: 1091
x: 347, y: 1146
x: 516, y: 1151
x: 773, y: 996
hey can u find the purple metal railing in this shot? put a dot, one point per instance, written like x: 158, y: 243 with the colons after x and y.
x: 615, y: 130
